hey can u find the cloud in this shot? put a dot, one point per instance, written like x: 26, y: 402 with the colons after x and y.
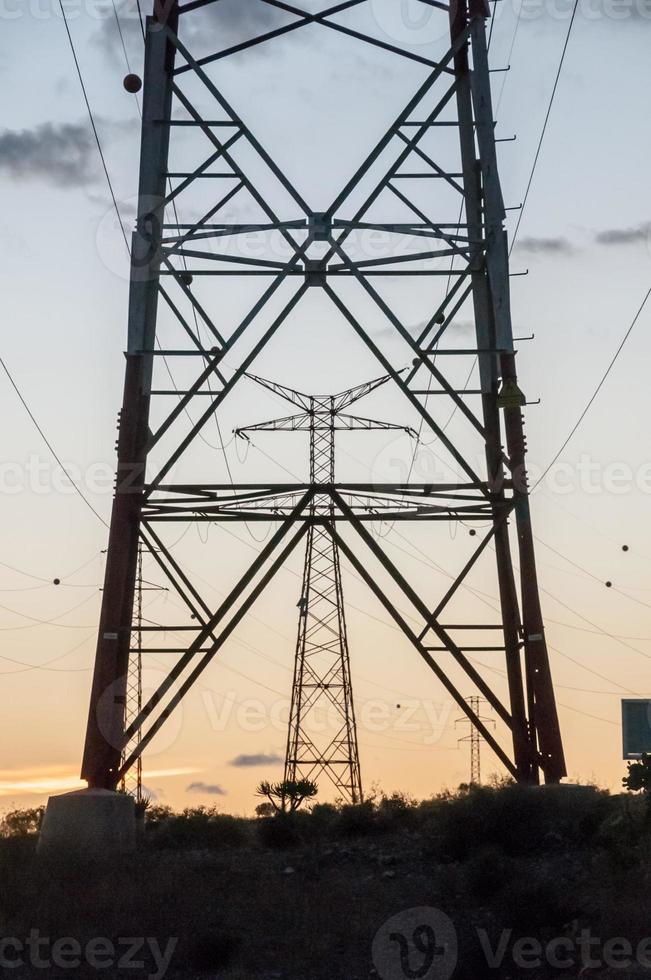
x: 250, y: 13
x: 107, y: 38
x: 546, y: 246
x: 62, y: 154
x: 229, y: 21
x: 210, y: 789
x: 261, y: 759
x: 624, y: 236
x: 153, y: 795
x: 40, y: 781
x: 462, y: 326
x: 128, y: 209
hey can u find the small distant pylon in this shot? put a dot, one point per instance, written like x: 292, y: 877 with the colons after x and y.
x: 322, y: 659
x: 132, y: 780
x: 474, y: 738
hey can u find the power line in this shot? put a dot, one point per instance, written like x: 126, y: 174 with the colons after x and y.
x: 446, y: 425
x: 646, y: 298
x: 222, y: 445
x: 600, y: 630
x: 119, y: 27
x: 276, y: 663
x: 115, y: 204
x: 49, y: 444
x: 568, y: 707
x: 593, y: 397
x: 47, y: 581
x: 25, y: 668
x: 35, y: 621
x: 631, y: 327
x: 92, y: 123
x: 97, y: 139
x: 483, y: 597
x: 510, y: 55
x: 591, y: 575
x: 544, y: 129
x: 141, y: 19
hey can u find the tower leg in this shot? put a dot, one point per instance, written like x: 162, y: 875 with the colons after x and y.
x: 105, y: 729
x: 536, y: 733
x: 543, y: 713
x: 486, y: 341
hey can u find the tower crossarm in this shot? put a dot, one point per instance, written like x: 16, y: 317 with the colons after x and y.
x: 323, y: 420
x: 289, y: 394
x: 289, y: 423
x: 337, y: 402
x: 345, y: 398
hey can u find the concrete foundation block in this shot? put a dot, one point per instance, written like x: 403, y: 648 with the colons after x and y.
x: 96, y: 823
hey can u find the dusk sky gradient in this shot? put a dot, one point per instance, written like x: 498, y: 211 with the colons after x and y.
x: 586, y: 240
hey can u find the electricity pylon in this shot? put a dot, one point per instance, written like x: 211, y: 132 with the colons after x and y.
x: 132, y: 779
x: 474, y: 739
x: 436, y: 160
x: 322, y: 661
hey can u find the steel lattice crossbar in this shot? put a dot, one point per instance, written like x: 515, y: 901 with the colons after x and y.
x: 200, y: 158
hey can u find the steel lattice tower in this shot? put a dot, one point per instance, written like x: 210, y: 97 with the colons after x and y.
x: 132, y: 778
x: 322, y: 661
x: 436, y: 160
x: 474, y: 740
x: 322, y: 673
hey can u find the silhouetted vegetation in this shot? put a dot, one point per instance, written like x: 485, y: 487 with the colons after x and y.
x: 195, y: 827
x: 22, y: 823
x: 638, y: 780
x: 287, y: 796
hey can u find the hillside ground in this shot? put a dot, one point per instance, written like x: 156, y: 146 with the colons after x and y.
x: 552, y: 882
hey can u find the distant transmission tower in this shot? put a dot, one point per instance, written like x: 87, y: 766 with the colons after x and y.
x: 132, y: 780
x: 474, y: 738
x: 322, y: 662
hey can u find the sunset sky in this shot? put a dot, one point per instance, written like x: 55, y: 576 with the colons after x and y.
x: 318, y: 104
